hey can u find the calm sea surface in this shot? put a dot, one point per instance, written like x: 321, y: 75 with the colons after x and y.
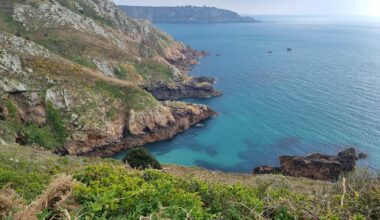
x: 321, y: 97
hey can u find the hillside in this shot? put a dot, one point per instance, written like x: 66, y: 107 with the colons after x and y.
x: 73, y: 75
x: 37, y: 184
x: 185, y: 14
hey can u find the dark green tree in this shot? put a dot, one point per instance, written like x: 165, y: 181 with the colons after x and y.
x: 140, y: 158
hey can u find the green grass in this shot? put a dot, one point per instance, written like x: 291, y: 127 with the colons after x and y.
x: 82, y: 61
x: 153, y: 71
x: 50, y: 136
x: 12, y: 110
x: 132, y: 97
x: 121, y: 73
x: 12, y: 26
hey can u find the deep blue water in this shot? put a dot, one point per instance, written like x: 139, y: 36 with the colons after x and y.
x: 322, y: 97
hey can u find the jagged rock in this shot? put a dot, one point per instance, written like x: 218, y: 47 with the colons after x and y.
x: 319, y: 166
x: 185, y: 115
x: 195, y: 87
x: 60, y: 98
x: 266, y: 170
x: 147, y: 121
x: 12, y: 86
x: 104, y: 67
x: 18, y: 44
x: 10, y: 62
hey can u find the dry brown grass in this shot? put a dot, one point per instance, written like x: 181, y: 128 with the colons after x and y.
x: 9, y: 202
x: 51, y: 199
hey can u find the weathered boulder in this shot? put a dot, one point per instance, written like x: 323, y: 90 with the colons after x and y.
x: 319, y: 166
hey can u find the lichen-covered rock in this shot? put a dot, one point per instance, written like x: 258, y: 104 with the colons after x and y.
x: 10, y: 62
x: 21, y: 45
x: 60, y: 98
x: 12, y: 86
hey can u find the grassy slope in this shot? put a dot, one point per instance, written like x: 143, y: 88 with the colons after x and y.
x: 200, y: 193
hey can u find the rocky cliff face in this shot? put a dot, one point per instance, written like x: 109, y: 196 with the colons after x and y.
x: 77, y: 66
x: 145, y: 127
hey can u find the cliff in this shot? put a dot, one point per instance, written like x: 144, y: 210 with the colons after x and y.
x: 72, y: 74
x: 185, y: 14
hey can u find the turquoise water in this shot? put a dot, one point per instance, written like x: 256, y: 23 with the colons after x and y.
x: 322, y: 97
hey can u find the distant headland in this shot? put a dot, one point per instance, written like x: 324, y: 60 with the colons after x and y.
x: 185, y: 14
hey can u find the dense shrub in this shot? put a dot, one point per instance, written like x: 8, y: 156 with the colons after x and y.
x: 140, y: 158
x: 112, y: 192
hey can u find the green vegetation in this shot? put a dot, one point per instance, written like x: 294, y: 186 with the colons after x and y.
x: 140, y: 158
x: 7, y: 23
x: 51, y: 135
x: 55, y: 122
x: 132, y: 97
x: 82, y: 61
x: 120, y: 72
x: 11, y: 109
x: 153, y: 71
x: 105, y: 189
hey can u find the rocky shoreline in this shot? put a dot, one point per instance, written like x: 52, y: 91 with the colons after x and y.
x: 315, y: 166
x: 193, y: 87
x: 174, y: 118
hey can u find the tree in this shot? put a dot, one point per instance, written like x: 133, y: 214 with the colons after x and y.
x: 140, y: 158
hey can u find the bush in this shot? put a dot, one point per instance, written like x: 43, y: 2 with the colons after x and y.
x: 140, y: 158
x: 112, y: 192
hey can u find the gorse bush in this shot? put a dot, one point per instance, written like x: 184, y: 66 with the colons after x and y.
x: 140, y: 158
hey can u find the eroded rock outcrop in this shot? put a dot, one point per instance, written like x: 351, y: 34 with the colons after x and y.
x: 315, y: 166
x: 181, y: 117
x: 194, y: 87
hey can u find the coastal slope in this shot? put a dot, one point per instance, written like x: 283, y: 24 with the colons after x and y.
x: 75, y: 74
x: 185, y: 14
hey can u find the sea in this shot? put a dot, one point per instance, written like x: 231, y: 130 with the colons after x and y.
x: 322, y: 96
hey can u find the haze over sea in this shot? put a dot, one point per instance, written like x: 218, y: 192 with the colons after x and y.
x: 322, y: 97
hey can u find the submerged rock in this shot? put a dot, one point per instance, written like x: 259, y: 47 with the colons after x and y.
x: 194, y: 87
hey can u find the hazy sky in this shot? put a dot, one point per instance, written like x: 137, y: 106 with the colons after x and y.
x: 298, y: 7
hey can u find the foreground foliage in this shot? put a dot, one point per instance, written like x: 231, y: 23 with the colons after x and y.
x: 105, y: 189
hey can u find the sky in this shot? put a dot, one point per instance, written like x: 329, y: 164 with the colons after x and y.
x: 277, y: 7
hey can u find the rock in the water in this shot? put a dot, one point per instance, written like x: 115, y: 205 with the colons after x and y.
x: 266, y: 170
x: 289, y: 50
x: 195, y: 87
x: 362, y: 156
x: 319, y: 166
